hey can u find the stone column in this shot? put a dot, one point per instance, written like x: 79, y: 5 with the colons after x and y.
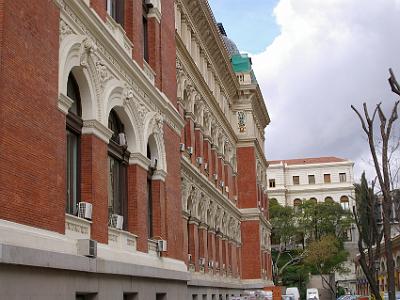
x: 208, y: 156
x: 211, y: 247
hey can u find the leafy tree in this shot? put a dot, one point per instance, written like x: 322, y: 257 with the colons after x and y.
x: 326, y: 256
x: 319, y: 219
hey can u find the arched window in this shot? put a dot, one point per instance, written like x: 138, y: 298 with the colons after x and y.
x: 297, y: 204
x: 313, y: 199
x: 329, y: 199
x: 73, y: 130
x: 398, y: 262
x: 118, y: 160
x: 152, y: 155
x: 344, y: 202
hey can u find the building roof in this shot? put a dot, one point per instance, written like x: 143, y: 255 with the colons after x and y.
x: 306, y: 161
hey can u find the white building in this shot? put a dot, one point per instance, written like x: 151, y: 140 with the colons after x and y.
x: 323, y: 178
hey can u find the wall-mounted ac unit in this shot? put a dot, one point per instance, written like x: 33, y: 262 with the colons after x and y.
x: 262, y: 209
x: 190, y: 258
x: 223, y: 266
x: 190, y: 150
x: 227, y: 189
x: 206, y: 166
x: 116, y: 221
x: 122, y: 139
x: 85, y: 210
x: 216, y: 264
x: 199, y: 160
x: 87, y: 247
x: 161, y: 245
x: 181, y: 147
x: 215, y: 176
x: 222, y: 183
x: 202, y: 261
x: 210, y: 264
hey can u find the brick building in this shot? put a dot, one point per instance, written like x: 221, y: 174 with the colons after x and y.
x: 138, y: 125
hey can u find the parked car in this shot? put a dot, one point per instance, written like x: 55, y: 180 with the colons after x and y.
x: 312, y: 294
x: 294, y: 291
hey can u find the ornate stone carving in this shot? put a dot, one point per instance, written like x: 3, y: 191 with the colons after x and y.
x: 88, y: 48
x: 65, y: 29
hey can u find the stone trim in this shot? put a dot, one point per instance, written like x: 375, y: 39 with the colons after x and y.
x: 140, y: 160
x: 96, y: 128
x: 64, y: 103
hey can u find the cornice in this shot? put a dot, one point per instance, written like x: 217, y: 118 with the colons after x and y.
x: 322, y: 189
x: 194, y: 73
x: 96, y: 128
x: 203, y: 24
x: 88, y: 23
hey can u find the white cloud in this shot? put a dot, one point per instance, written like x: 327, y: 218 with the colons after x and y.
x: 330, y: 54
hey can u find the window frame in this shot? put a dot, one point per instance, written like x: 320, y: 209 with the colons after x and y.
x: 341, y: 176
x: 74, y: 124
x: 145, y: 45
x: 116, y: 10
x: 296, y: 182
x: 327, y: 178
x: 311, y: 176
x: 120, y: 155
x: 272, y: 183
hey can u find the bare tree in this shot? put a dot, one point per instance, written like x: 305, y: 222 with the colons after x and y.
x: 383, y: 170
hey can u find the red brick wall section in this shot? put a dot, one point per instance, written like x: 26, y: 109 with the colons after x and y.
x: 154, y: 49
x: 168, y: 51
x: 94, y: 183
x: 173, y: 204
x: 158, y: 197
x: 100, y: 8
x: 251, y: 256
x: 247, y: 181
x: 134, y: 28
x: 137, y: 205
x: 32, y: 153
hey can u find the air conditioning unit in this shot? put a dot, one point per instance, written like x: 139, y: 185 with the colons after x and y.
x: 161, y: 245
x: 216, y: 264
x: 223, y: 266
x: 222, y: 183
x: 87, y: 247
x: 190, y: 150
x: 227, y: 189
x: 85, y: 210
x: 210, y: 264
x: 215, y: 176
x: 190, y: 258
x: 199, y: 160
x: 202, y: 261
x: 122, y: 139
x: 181, y: 147
x: 206, y: 166
x: 116, y: 221
x: 262, y: 209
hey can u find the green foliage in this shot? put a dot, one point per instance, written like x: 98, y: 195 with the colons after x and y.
x: 326, y: 256
x: 283, y: 223
x: 317, y: 220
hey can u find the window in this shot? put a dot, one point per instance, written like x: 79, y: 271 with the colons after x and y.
x: 328, y: 199
x: 327, y: 178
x: 130, y: 296
x: 311, y: 179
x: 118, y: 159
x: 145, y: 32
x: 73, y: 131
x: 296, y: 180
x: 344, y: 202
x: 313, y: 199
x: 161, y: 296
x: 342, y: 177
x: 296, y: 204
x: 272, y: 183
x: 115, y: 9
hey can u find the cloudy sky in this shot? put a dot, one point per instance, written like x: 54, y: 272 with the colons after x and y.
x: 313, y: 59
